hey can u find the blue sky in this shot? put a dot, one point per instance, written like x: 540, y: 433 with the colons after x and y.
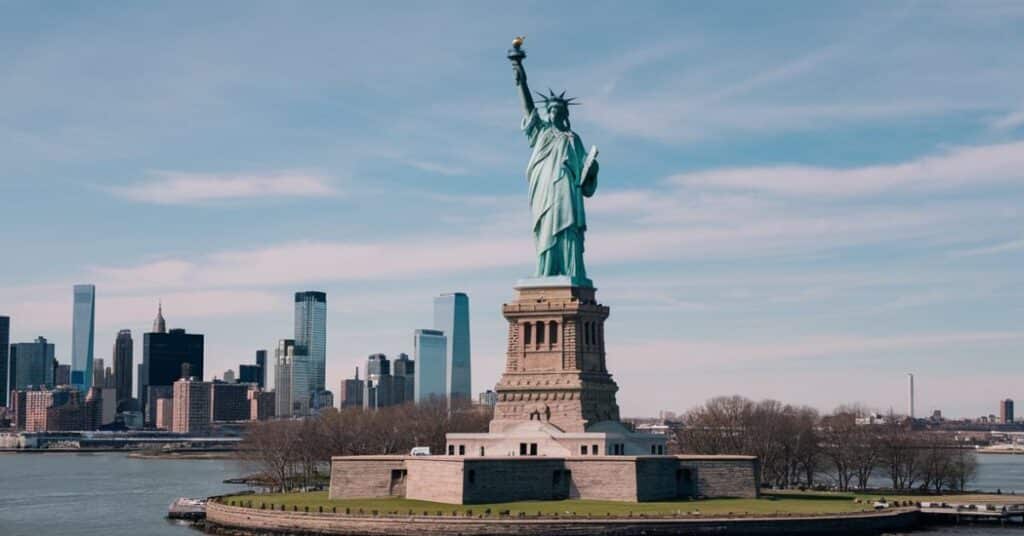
x: 801, y: 201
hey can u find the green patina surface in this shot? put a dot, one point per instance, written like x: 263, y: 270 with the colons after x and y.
x: 769, y: 504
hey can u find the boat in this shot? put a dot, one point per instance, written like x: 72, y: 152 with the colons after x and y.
x: 187, y: 508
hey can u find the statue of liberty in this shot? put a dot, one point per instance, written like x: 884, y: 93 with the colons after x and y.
x: 560, y: 174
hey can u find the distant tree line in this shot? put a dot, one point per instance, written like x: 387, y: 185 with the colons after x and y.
x: 798, y: 447
x: 293, y: 453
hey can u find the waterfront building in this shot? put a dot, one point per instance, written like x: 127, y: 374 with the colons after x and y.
x: 61, y: 409
x: 311, y: 336
x: 250, y: 374
x: 18, y: 404
x: 83, y: 336
x: 62, y: 375
x: 284, y: 355
x: 451, y: 316
x: 488, y: 398
x: 5, y: 345
x: 156, y: 392
x: 229, y: 402
x: 261, y: 404
x: 105, y: 401
x: 166, y: 354
x: 429, y: 349
x: 261, y: 362
x: 191, y: 410
x: 124, y: 349
x: 30, y: 364
x: 164, y: 413
x: 352, y: 392
x: 1006, y: 411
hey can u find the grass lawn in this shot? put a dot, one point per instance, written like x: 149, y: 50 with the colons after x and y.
x: 782, y: 503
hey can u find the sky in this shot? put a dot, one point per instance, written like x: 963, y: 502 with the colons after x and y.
x: 802, y: 201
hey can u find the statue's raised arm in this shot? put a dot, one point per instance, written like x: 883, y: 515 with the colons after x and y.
x: 516, y: 55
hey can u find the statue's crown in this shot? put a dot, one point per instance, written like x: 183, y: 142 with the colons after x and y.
x: 552, y: 98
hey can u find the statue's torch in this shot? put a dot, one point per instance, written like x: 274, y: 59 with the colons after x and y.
x: 516, y: 55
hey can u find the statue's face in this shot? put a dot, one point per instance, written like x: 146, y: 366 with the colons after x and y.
x: 558, y: 114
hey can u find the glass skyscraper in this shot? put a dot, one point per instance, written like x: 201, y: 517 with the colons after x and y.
x: 451, y: 316
x: 82, y: 336
x: 5, y: 344
x: 311, y: 336
x: 429, y: 349
x: 124, y: 350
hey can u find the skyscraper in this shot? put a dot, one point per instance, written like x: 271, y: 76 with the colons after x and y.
x: 451, y: 316
x: 283, y: 358
x: 97, y: 372
x: 1006, y: 411
x: 31, y: 364
x: 82, y: 336
x: 403, y: 370
x: 352, y: 392
x: 5, y: 344
x: 165, y: 355
x: 261, y: 362
x: 124, y: 349
x: 429, y: 349
x: 311, y: 335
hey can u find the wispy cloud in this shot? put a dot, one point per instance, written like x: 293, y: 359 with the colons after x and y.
x: 1009, y: 121
x: 979, y: 165
x: 1013, y: 245
x: 180, y: 188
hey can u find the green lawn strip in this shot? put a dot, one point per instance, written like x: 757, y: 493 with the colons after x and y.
x: 770, y: 504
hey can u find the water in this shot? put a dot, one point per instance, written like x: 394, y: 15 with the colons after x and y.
x: 105, y: 494
x: 110, y: 494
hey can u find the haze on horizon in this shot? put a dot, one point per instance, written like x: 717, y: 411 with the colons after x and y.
x: 801, y: 201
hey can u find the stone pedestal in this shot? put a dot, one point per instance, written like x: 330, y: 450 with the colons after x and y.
x: 555, y: 370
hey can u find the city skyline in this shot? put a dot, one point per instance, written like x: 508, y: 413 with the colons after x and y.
x: 802, y: 204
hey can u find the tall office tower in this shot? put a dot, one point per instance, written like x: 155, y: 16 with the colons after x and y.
x: 97, y: 372
x: 82, y: 336
x: 139, y: 388
x: 5, y: 343
x: 31, y: 364
x: 352, y: 392
x: 1006, y: 411
x: 191, y: 413
x: 451, y: 315
x: 164, y: 357
x: 311, y: 335
x: 404, y: 371
x: 229, y: 376
x: 429, y: 348
x: 283, y: 357
x: 261, y: 362
x: 124, y: 349
x: 377, y: 392
x: 62, y: 375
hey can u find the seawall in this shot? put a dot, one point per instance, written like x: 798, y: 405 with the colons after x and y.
x: 234, y: 520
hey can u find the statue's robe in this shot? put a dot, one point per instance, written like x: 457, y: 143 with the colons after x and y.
x: 556, y: 197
